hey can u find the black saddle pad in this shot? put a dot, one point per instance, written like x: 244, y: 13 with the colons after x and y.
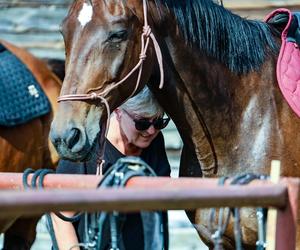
x: 294, y: 30
x: 280, y: 21
x: 21, y: 97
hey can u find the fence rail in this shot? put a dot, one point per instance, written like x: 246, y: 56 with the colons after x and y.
x: 128, y: 200
x: 155, y: 193
x: 146, y: 193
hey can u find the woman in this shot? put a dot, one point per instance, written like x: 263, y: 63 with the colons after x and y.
x: 134, y: 131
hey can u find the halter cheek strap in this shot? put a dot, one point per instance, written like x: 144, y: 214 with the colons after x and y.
x: 99, y: 97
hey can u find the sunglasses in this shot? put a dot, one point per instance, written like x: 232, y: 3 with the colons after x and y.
x: 144, y: 124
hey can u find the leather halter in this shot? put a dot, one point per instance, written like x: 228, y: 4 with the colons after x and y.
x: 99, y: 97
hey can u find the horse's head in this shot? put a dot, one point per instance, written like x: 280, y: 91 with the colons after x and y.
x: 103, y: 44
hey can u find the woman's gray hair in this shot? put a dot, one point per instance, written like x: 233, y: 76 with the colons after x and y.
x: 143, y: 104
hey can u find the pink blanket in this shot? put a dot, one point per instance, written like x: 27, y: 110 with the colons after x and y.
x: 288, y: 66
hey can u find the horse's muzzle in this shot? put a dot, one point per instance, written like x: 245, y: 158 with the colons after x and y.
x: 71, y: 143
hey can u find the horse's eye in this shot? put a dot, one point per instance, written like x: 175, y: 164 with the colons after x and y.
x: 118, y: 36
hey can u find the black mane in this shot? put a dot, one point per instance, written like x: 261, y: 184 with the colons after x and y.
x: 240, y: 44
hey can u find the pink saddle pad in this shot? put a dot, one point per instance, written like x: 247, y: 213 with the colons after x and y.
x: 288, y: 66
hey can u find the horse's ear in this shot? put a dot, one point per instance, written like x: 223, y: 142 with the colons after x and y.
x: 115, y: 7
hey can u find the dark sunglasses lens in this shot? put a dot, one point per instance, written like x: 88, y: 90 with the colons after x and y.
x: 142, y: 125
x: 161, y: 123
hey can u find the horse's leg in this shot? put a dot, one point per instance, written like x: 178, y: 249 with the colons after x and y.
x: 21, y: 235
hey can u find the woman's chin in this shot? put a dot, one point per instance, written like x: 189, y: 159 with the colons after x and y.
x: 143, y: 142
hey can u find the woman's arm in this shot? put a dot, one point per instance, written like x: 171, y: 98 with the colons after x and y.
x: 65, y: 233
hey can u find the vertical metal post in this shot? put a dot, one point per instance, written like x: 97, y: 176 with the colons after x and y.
x: 287, y: 236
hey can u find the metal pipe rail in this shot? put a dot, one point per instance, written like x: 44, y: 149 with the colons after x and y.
x: 155, y: 193
x: 76, y: 181
x: 141, y: 193
x: 130, y: 199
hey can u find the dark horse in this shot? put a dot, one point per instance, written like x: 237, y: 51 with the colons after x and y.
x: 27, y: 145
x: 220, y: 87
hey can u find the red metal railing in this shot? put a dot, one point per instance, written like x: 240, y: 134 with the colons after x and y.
x: 78, y: 192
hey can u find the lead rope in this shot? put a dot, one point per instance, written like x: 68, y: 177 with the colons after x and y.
x: 92, y: 94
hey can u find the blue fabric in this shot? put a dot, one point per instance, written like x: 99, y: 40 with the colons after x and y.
x: 21, y: 97
x: 294, y: 30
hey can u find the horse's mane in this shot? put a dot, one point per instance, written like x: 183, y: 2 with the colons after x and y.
x: 240, y: 44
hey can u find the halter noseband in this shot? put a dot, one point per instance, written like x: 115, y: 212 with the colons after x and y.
x: 94, y: 95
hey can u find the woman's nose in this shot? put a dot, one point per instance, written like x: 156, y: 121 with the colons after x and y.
x: 151, y: 130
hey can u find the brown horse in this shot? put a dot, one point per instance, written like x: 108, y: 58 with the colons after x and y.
x: 27, y: 145
x: 220, y: 87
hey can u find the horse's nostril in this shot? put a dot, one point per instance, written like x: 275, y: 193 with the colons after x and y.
x: 73, y: 137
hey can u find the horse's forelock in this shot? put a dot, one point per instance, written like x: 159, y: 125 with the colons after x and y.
x: 115, y: 7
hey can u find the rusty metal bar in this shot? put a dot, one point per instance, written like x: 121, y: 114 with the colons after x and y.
x: 141, y: 193
x: 58, y: 181
x: 287, y: 229
x: 36, y: 202
x: 14, y: 181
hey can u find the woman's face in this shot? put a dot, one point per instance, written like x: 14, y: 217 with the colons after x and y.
x: 141, y: 139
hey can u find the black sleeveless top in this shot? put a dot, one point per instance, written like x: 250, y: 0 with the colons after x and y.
x: 155, y: 156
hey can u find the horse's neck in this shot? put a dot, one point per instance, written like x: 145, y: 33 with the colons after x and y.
x: 198, y: 155
x: 237, y: 110
x: 249, y: 122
